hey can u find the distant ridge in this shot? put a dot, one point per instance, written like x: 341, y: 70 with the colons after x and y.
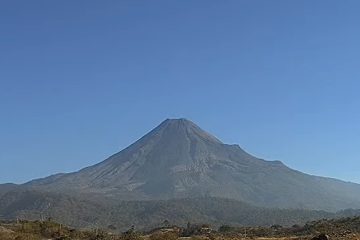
x: 87, y: 212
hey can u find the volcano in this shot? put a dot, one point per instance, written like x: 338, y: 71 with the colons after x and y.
x: 178, y: 159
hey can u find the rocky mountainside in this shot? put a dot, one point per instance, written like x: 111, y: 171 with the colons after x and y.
x: 179, y: 160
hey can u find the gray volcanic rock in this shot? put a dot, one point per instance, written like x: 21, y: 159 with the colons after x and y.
x: 178, y: 159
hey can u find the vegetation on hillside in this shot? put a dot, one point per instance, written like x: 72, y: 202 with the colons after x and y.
x: 81, y: 212
x: 345, y: 228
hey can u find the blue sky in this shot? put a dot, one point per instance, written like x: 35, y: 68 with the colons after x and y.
x: 81, y: 80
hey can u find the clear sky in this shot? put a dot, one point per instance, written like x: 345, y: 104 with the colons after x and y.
x: 81, y: 80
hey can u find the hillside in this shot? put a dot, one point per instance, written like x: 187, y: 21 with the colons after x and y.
x: 4, y: 188
x: 86, y: 212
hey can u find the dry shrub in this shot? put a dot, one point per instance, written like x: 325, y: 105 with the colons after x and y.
x: 164, y: 236
x: 7, y: 236
x: 27, y: 236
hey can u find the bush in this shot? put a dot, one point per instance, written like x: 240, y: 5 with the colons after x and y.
x: 6, y: 236
x: 130, y: 236
x: 226, y: 228
x: 27, y: 236
x: 164, y: 236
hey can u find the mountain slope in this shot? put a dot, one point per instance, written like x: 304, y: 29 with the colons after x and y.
x: 178, y: 159
x: 7, y: 187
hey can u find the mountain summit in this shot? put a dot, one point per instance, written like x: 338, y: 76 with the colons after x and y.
x: 180, y: 160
